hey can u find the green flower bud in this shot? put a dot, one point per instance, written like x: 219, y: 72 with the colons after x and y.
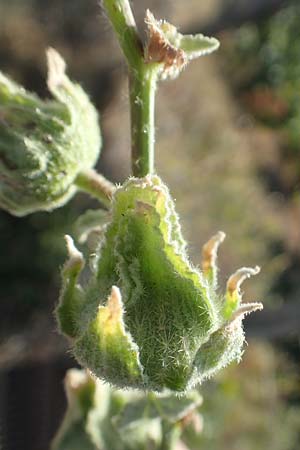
x: 147, y: 318
x: 44, y: 145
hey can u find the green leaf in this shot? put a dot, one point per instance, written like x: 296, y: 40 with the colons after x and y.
x: 172, y: 50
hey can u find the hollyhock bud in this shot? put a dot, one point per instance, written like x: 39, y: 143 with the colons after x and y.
x: 44, y: 145
x: 147, y: 318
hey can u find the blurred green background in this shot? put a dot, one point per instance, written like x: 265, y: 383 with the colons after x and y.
x: 228, y: 145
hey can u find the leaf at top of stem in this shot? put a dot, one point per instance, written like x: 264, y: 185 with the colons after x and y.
x: 171, y: 49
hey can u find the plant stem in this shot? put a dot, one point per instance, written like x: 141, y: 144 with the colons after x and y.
x: 96, y: 185
x: 122, y: 20
x: 142, y: 86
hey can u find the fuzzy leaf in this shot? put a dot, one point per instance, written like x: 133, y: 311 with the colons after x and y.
x: 171, y: 49
x: 197, y: 45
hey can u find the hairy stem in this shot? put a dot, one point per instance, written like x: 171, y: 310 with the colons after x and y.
x: 142, y: 86
x: 96, y: 185
x: 122, y: 20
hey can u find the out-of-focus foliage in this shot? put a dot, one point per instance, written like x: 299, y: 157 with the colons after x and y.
x: 246, y: 408
x: 99, y: 417
x: 212, y: 176
x: 264, y: 63
x: 263, y: 66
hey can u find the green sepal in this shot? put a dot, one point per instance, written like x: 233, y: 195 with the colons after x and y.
x: 107, y: 348
x: 161, y: 288
x: 158, y: 282
x: 71, y: 296
x: 224, y: 346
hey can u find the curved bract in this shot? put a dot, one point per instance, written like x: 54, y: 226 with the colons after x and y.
x: 147, y: 318
x: 44, y: 145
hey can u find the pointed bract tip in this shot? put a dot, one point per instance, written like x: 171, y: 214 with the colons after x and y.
x: 209, y: 250
x: 56, y: 69
x: 110, y: 316
x: 151, y: 22
x: 76, y: 378
x: 245, y: 309
x: 149, y: 17
x: 115, y: 296
x: 72, y: 250
x: 234, y: 282
x: 75, y: 256
x: 114, y: 303
x: 221, y: 236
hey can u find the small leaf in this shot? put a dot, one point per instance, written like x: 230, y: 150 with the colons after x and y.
x: 198, y: 45
x: 171, y: 49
